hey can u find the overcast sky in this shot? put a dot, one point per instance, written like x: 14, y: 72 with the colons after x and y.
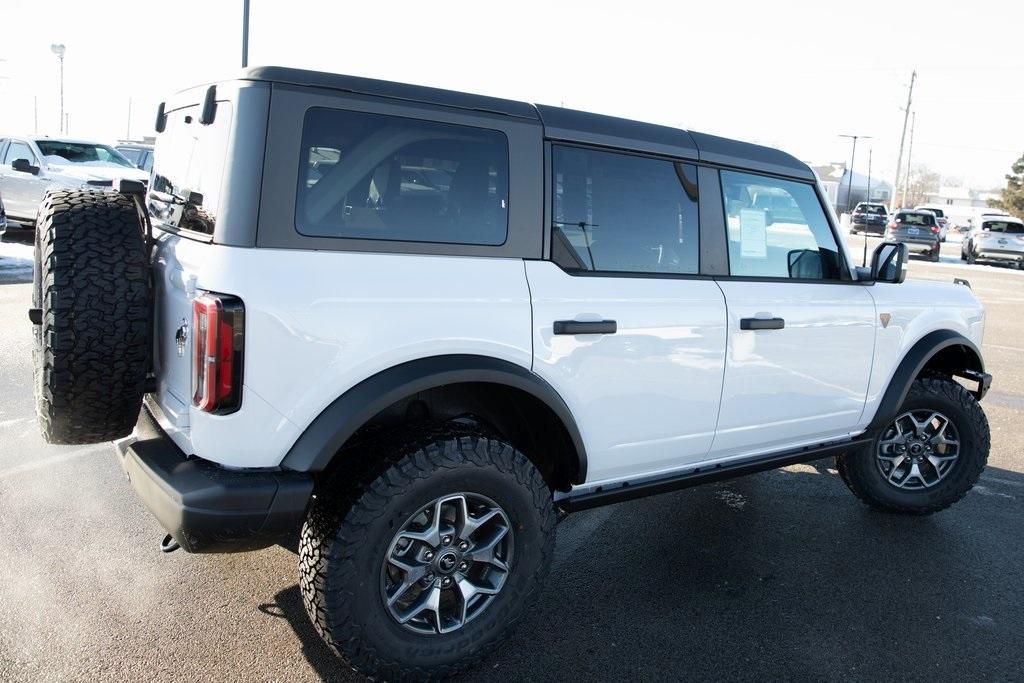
x: 793, y: 75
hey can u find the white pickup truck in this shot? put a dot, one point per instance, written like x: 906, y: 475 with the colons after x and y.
x: 409, y: 327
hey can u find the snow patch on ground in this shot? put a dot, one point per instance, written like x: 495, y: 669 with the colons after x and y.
x: 15, y: 262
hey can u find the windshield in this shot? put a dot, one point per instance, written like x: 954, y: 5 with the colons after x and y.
x: 937, y: 212
x: 57, y: 152
x: 1004, y: 226
x: 916, y: 218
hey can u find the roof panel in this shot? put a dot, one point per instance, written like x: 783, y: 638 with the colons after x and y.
x: 597, y: 129
x: 716, y: 150
x: 401, y: 91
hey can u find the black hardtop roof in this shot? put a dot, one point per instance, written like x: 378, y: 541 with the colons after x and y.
x: 559, y: 123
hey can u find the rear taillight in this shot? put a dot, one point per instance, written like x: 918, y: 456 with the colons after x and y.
x: 935, y: 228
x: 218, y: 324
x: 892, y: 226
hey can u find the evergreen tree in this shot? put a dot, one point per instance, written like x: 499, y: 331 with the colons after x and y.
x: 1012, y: 201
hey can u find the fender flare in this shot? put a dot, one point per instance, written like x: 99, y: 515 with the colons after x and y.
x: 914, y: 361
x: 325, y: 435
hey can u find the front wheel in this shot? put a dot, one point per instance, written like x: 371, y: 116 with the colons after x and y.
x: 928, y: 457
x: 420, y: 571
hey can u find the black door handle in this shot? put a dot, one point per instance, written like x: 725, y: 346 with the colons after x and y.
x: 579, y: 327
x: 762, y: 323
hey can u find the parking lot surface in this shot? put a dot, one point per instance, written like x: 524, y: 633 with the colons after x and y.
x: 780, y: 575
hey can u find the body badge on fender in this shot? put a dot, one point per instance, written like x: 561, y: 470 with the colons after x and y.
x: 180, y: 336
x: 885, y: 318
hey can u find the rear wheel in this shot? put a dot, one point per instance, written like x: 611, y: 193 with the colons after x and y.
x: 936, y: 253
x: 418, y: 571
x: 928, y: 457
x: 91, y: 287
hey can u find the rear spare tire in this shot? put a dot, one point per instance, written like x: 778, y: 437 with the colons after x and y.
x: 91, y: 286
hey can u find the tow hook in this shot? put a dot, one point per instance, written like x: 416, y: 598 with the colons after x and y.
x: 168, y: 545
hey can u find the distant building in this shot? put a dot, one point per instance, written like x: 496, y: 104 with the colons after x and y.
x: 961, y: 204
x: 844, y: 189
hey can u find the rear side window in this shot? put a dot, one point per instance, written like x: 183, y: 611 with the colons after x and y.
x: 374, y: 176
x: 623, y: 213
x: 777, y: 228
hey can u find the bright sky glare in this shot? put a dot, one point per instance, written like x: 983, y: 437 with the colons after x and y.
x: 787, y: 74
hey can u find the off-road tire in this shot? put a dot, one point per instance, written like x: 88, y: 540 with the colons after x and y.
x: 92, y: 283
x: 350, y: 525
x: 860, y: 472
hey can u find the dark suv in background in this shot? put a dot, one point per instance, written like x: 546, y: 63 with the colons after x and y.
x: 868, y: 217
x: 919, y: 230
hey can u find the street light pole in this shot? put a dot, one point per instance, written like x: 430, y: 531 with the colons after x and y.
x: 853, y: 158
x: 58, y: 49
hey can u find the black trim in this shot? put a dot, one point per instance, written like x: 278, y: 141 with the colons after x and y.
x: 207, y: 508
x: 209, y: 110
x: 321, y: 441
x: 762, y: 323
x: 912, y: 364
x: 582, y: 327
x: 617, y: 493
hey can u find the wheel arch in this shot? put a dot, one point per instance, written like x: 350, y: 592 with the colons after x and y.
x: 324, y: 438
x: 943, y: 352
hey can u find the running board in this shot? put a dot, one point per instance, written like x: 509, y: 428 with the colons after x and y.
x: 617, y: 493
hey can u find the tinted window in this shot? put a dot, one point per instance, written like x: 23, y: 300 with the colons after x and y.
x: 623, y: 213
x: 372, y: 176
x: 876, y: 209
x: 926, y: 219
x: 1003, y: 226
x: 777, y: 228
x: 19, y: 150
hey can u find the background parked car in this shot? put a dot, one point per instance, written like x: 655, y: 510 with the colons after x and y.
x: 942, y: 219
x: 140, y: 154
x: 3, y: 218
x: 997, y: 238
x: 919, y: 230
x: 869, y: 217
x: 31, y: 166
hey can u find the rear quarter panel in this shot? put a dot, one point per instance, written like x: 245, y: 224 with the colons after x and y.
x: 318, y: 322
x: 916, y: 308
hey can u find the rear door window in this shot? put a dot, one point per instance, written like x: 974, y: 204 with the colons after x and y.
x: 777, y: 228
x: 381, y: 177
x: 620, y: 213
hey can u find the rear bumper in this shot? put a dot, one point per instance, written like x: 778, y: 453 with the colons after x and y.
x: 207, y: 508
x: 999, y: 254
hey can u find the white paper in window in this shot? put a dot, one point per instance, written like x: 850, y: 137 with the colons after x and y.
x: 753, y: 234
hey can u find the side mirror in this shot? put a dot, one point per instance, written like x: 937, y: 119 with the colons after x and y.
x: 22, y: 166
x: 805, y: 264
x: 889, y: 263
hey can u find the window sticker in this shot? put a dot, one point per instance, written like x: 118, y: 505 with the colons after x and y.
x: 753, y: 234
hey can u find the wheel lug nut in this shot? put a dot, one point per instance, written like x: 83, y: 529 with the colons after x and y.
x: 463, y: 545
x: 429, y: 556
x: 446, y: 540
x: 463, y: 566
x: 446, y: 582
x: 428, y: 578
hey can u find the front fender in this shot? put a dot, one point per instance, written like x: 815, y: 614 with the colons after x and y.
x: 960, y: 357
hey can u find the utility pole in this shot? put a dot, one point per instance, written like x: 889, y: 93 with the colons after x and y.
x: 903, y: 137
x: 910, y: 154
x: 245, y: 33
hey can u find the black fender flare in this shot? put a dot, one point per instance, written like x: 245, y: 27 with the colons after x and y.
x: 915, y: 360
x: 325, y: 435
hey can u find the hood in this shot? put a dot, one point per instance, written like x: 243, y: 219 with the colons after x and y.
x: 85, y: 172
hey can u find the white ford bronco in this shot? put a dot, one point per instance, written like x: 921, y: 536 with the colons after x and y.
x: 407, y: 328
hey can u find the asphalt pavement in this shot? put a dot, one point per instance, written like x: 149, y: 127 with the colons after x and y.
x: 780, y: 575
